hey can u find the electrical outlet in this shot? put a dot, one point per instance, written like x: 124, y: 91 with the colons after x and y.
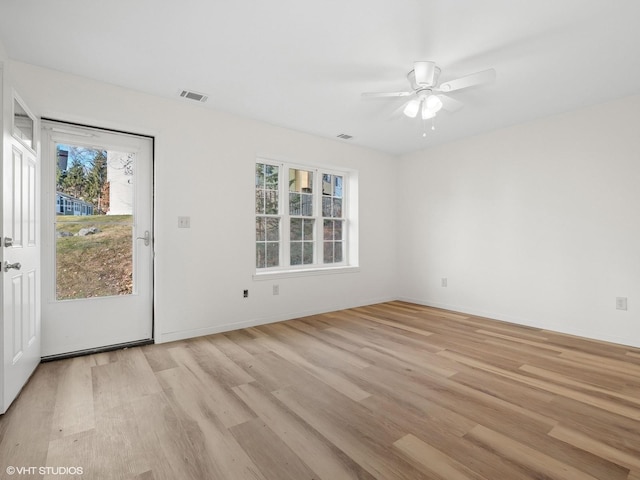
x: 443, y: 282
x: 245, y: 293
x: 184, y: 222
x: 621, y: 303
x: 276, y: 289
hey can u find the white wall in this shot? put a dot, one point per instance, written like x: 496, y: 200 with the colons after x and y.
x: 536, y: 224
x: 204, y: 168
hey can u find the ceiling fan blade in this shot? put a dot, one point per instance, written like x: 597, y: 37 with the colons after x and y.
x: 478, y: 78
x: 449, y: 104
x: 424, y: 73
x: 385, y: 94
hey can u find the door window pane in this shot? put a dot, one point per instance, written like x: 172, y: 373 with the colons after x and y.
x: 22, y: 124
x: 94, y: 222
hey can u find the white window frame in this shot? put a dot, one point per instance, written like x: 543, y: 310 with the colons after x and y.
x: 318, y: 266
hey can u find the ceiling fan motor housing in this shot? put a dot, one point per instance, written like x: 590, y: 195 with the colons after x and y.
x: 424, y: 74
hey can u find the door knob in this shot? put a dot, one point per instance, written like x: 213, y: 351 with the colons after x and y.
x: 8, y: 266
x: 8, y: 241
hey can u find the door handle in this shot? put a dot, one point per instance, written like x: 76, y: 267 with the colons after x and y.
x: 8, y: 266
x: 8, y: 241
x: 146, y: 238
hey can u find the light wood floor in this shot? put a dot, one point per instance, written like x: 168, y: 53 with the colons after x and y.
x: 390, y: 391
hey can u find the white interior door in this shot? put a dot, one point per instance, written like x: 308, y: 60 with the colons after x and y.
x: 20, y: 252
x: 97, y: 239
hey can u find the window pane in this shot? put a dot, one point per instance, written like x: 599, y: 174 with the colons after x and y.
x: 296, y: 229
x: 337, y: 229
x: 337, y: 252
x: 300, y: 181
x: 337, y: 186
x: 307, y: 253
x: 326, y: 184
x: 261, y: 255
x: 328, y: 252
x: 295, y: 202
x: 261, y: 229
x: 308, y: 229
x: 271, y: 202
x: 273, y: 229
x: 326, y: 206
x: 273, y: 254
x: 301, y: 192
x: 337, y: 207
x: 307, y: 205
x: 296, y: 253
x: 259, y: 201
x: 22, y: 124
x: 259, y: 175
x: 271, y: 176
x: 327, y: 229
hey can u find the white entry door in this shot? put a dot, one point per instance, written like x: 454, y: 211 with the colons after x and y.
x: 20, y: 251
x: 97, y: 239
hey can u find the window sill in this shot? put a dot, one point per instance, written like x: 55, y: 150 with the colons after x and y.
x: 304, y: 272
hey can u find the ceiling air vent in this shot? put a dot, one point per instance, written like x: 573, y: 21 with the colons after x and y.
x: 191, y: 95
x: 344, y: 136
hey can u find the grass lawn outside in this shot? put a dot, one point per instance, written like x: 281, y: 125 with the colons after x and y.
x: 95, y: 265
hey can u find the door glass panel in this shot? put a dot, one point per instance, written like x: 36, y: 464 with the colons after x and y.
x: 22, y: 124
x: 94, y: 222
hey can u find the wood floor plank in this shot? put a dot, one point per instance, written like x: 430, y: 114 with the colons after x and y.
x: 231, y: 349
x: 433, y: 460
x: 171, y: 445
x: 210, y: 438
x: 122, y: 380
x: 605, y: 426
x: 74, y: 410
x: 110, y: 451
x: 26, y: 426
x: 621, y: 409
x: 216, y: 364
x: 444, y: 429
x: 630, y: 460
x: 367, y: 451
x: 563, y: 379
x: 314, y: 348
x: 157, y: 357
x: 266, y: 449
x: 527, y: 457
x: 335, y: 381
x: 323, y: 458
x: 193, y: 387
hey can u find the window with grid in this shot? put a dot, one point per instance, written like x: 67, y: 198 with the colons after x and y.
x: 300, y: 217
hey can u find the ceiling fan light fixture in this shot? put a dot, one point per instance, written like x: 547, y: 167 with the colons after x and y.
x: 411, y: 110
x: 430, y: 106
x: 433, y: 103
x: 426, y: 113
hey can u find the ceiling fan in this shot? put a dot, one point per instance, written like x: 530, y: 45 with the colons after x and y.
x: 429, y: 96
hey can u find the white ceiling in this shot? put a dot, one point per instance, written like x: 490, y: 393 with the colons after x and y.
x: 303, y: 64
